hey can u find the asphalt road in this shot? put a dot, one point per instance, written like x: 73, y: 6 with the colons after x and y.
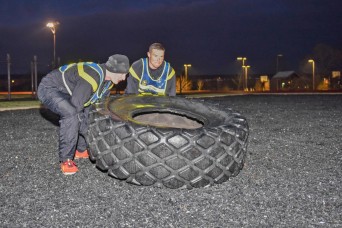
x: 292, y: 175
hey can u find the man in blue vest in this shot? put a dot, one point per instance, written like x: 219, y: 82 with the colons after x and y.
x: 152, y: 75
x: 69, y: 91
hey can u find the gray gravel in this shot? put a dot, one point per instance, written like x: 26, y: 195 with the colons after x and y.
x: 292, y: 175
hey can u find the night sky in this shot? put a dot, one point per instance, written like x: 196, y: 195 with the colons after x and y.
x: 209, y: 34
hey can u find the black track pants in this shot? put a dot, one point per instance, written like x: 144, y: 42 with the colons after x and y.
x: 73, y: 124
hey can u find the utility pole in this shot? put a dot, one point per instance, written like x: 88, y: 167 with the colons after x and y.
x: 35, y: 75
x: 9, y: 76
x: 32, y: 80
x: 278, y: 56
x: 242, y: 59
x: 313, y: 73
x: 53, y: 28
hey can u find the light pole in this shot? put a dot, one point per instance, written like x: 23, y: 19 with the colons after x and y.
x: 186, y: 71
x: 242, y: 59
x: 53, y: 28
x: 278, y: 56
x: 313, y: 73
x: 246, y: 76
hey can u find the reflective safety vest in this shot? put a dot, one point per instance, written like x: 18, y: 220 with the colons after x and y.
x: 99, y: 89
x: 149, y: 85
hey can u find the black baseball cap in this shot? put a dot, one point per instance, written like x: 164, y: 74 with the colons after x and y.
x: 117, y: 64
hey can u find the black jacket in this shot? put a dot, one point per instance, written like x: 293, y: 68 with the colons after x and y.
x: 81, y: 89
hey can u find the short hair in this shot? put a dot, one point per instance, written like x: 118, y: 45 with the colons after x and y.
x: 157, y: 46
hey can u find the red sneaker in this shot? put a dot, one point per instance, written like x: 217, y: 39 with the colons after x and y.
x: 69, y: 167
x: 83, y: 154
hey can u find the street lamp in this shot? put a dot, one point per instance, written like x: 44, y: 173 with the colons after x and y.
x: 278, y: 56
x: 53, y: 28
x: 186, y: 71
x: 242, y: 59
x: 313, y: 73
x: 246, y: 76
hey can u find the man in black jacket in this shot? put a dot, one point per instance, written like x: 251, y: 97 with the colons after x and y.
x: 69, y: 91
x: 152, y: 75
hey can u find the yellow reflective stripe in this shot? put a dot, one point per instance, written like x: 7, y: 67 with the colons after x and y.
x: 144, y: 93
x: 142, y: 89
x: 171, y: 74
x: 86, y: 76
x: 87, y: 104
x: 132, y: 72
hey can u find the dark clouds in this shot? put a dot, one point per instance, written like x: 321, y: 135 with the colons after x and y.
x: 209, y: 34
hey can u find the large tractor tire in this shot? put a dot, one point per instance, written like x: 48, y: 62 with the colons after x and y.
x: 167, y: 141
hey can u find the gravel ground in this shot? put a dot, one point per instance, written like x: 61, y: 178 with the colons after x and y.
x: 292, y: 175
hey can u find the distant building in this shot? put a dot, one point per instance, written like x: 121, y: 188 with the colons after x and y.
x: 336, y: 82
x: 284, y: 80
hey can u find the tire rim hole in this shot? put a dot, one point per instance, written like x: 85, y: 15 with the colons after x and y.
x: 168, y: 120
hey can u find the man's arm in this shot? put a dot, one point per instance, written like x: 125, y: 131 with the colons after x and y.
x: 133, y: 78
x: 171, y: 87
x: 132, y: 85
x: 171, y: 83
x: 81, y: 94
